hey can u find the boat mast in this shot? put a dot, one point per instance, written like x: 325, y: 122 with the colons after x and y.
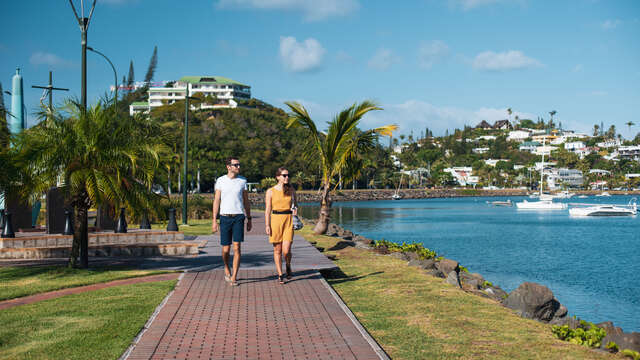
x: 542, y: 168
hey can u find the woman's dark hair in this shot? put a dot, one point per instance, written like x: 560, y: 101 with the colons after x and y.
x: 286, y: 188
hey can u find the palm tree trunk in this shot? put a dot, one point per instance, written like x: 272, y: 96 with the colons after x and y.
x: 325, y: 211
x: 80, y: 245
x: 169, y: 181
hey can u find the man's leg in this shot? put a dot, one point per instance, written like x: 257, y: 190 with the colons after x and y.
x: 236, y: 260
x: 225, y: 242
x: 238, y: 238
x: 225, y: 259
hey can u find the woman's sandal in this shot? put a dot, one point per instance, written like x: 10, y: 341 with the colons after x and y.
x: 233, y: 283
x: 280, y: 279
x: 289, y: 272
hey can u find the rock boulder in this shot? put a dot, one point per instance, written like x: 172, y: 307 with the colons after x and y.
x: 447, y: 266
x: 535, y: 301
x: 624, y: 340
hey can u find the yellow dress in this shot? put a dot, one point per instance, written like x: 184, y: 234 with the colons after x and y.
x: 281, y: 224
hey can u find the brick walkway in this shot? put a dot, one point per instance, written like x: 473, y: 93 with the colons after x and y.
x: 205, y: 318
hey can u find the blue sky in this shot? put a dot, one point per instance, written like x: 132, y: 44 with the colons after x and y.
x: 439, y: 64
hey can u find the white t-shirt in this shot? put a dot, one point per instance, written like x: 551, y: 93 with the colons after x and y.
x: 231, y: 194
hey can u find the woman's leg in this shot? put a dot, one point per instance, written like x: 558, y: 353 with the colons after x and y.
x: 277, y: 257
x: 286, y: 251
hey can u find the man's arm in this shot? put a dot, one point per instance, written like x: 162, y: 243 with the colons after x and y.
x: 247, y: 208
x: 216, y: 208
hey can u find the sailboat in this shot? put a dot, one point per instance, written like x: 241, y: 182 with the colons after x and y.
x: 546, y: 200
x: 396, y: 195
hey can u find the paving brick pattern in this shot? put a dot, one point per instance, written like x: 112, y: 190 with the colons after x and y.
x: 205, y: 318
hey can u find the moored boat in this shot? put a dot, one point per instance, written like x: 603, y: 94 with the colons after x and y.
x: 605, y: 209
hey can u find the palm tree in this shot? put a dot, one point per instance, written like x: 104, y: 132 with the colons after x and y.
x: 99, y: 158
x: 629, y: 124
x: 509, y: 112
x: 339, y: 146
x: 596, y: 130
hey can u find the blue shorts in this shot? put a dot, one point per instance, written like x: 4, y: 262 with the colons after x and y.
x: 231, y: 227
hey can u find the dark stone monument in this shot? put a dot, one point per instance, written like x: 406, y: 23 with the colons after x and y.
x: 172, y: 225
x: 121, y: 226
x: 105, y: 217
x: 68, y: 222
x: 21, y: 212
x: 55, y: 211
x: 7, y: 229
x: 144, y: 222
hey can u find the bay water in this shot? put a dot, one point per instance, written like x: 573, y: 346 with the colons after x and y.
x: 591, y: 264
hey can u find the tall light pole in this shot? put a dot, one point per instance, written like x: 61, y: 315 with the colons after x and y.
x: 115, y: 74
x: 83, y: 22
x: 186, y: 149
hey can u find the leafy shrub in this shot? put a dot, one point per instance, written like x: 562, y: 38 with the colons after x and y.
x: 631, y: 354
x: 612, y: 346
x: 487, y: 284
x: 587, y: 334
x: 464, y: 269
x: 423, y: 252
x: 267, y: 182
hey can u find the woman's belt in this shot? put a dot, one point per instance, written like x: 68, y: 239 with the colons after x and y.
x: 280, y: 212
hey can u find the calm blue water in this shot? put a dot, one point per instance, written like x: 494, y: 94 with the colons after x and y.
x: 590, y: 264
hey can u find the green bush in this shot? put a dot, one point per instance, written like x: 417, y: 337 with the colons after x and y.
x: 267, y: 182
x: 612, y: 346
x: 423, y: 252
x: 487, y: 284
x: 631, y: 354
x: 587, y: 334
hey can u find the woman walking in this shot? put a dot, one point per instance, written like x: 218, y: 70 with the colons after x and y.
x: 280, y: 206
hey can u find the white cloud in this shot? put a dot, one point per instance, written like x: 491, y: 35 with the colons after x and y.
x: 611, y: 24
x: 508, y: 60
x: 430, y: 52
x: 383, y: 59
x: 300, y: 56
x: 311, y: 9
x: 43, y: 58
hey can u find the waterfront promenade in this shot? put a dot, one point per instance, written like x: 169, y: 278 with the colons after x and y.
x: 205, y: 317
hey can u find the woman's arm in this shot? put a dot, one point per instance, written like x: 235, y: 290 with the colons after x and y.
x: 267, y: 212
x: 295, y: 202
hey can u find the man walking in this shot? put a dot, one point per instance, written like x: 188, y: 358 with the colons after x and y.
x: 232, y: 203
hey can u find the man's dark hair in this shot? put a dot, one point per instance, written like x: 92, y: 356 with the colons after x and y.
x: 229, y: 159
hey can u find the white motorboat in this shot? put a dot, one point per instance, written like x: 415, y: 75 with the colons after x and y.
x: 564, y: 195
x: 606, y: 210
x: 546, y: 200
x: 604, y: 193
x: 540, y: 205
x: 500, y: 203
x: 582, y: 197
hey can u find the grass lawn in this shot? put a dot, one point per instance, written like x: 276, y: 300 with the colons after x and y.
x: 92, y: 325
x: 23, y: 281
x: 415, y: 316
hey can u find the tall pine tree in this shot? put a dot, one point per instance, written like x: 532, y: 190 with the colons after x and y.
x: 130, y: 79
x: 152, y: 66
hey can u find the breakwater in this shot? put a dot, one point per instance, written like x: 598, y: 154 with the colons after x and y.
x: 307, y: 196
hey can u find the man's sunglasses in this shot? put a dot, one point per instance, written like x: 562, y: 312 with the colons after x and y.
x: 284, y: 175
x: 236, y: 165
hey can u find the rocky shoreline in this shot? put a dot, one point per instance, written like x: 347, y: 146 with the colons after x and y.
x: 530, y: 300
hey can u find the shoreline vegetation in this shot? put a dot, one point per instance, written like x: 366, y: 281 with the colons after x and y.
x: 528, y: 301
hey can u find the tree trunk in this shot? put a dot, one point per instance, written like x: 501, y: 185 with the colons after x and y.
x: 325, y: 211
x: 169, y: 182
x: 80, y: 246
x: 198, y: 180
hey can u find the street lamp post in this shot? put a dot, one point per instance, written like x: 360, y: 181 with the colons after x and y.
x: 186, y: 149
x: 115, y: 74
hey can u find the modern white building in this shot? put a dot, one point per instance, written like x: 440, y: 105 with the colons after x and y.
x: 493, y: 162
x: 518, y: 135
x: 529, y: 146
x: 463, y: 175
x: 485, y: 137
x: 556, y: 178
x: 609, y: 143
x: 574, y: 145
x: 216, y: 91
x: 630, y: 152
x: 480, y: 150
